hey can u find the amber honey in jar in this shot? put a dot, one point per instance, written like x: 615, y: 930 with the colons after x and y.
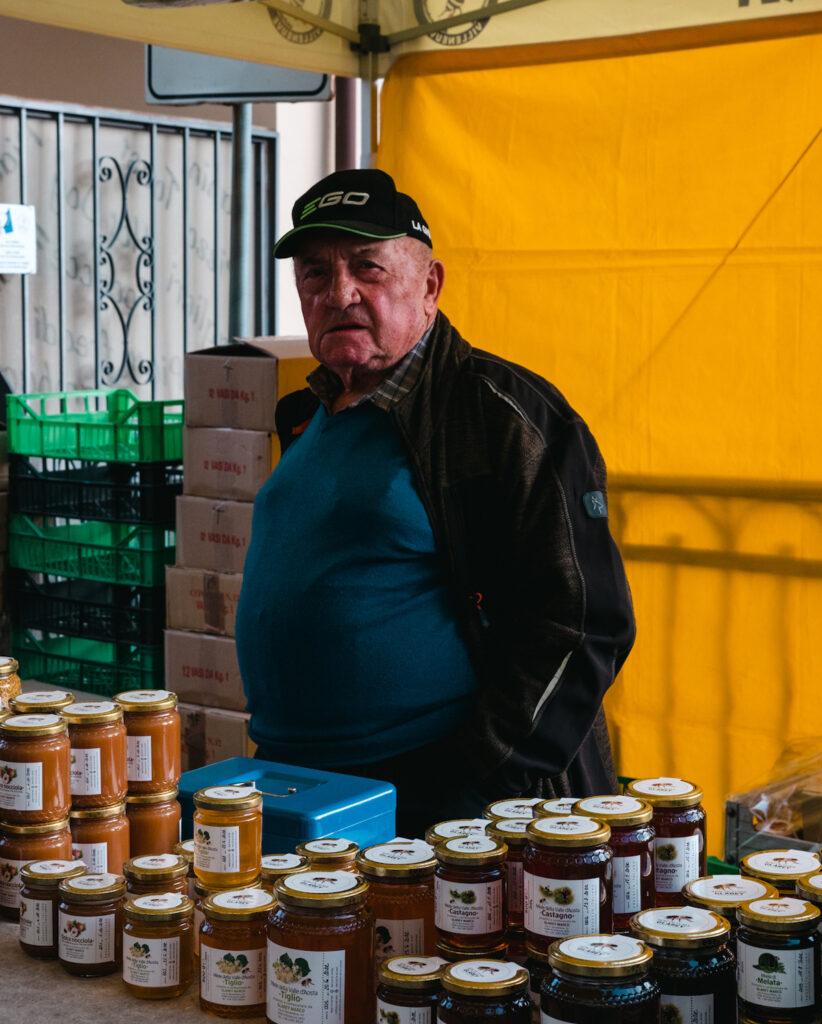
x: 455, y: 827
x: 476, y: 991
x: 228, y: 829
x: 101, y: 837
x: 692, y: 962
x: 329, y: 853
x: 158, y: 952
x: 401, y: 896
x: 154, y: 821
x: 158, y: 872
x: 185, y: 848
x: 40, y: 702
x: 514, y: 807
x: 512, y: 832
x: 233, y: 953
x: 90, y: 924
x: 38, y: 904
x: 632, y: 844
x: 724, y: 894
x: 777, y: 945
x: 9, y: 682
x: 680, y: 850
x: 782, y: 868
x: 153, y: 740
x: 278, y: 865
x: 469, y: 891
x: 98, y: 753
x: 20, y: 845
x: 201, y: 894
x: 320, y: 955
x: 568, y: 879
x: 34, y: 769
x: 407, y: 989
x: 558, y: 807
x: 599, y: 979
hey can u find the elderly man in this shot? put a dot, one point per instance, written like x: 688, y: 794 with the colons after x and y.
x: 431, y: 595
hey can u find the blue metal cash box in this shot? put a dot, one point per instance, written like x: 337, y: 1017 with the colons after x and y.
x: 301, y: 803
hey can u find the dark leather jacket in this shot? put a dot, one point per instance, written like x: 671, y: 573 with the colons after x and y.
x: 514, y: 486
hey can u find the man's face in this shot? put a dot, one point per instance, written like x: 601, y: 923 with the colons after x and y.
x: 365, y: 303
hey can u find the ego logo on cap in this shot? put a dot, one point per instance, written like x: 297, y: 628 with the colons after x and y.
x: 334, y: 199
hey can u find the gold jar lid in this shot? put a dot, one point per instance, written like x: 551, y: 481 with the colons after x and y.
x: 159, y: 906
x: 228, y: 798
x: 455, y: 954
x: 573, y: 830
x: 602, y: 956
x: 680, y: 927
x: 161, y: 867
x: 35, y: 830
x: 485, y: 978
x: 785, y: 914
x: 86, y: 888
x: 665, y: 792
x: 327, y: 848
x: 321, y: 889
x: 185, y: 848
x: 416, y: 973
x: 471, y: 850
x: 29, y: 725
x: 558, y: 807
x: 513, y: 831
x: 108, y: 811
x: 514, y: 807
x: 8, y: 667
x: 723, y: 893
x: 40, y: 701
x: 92, y: 712
x: 203, y: 891
x: 153, y: 798
x: 809, y: 888
x: 48, y: 874
x: 239, y: 905
x: 406, y: 859
x: 778, y: 866
x: 455, y: 827
x: 146, y: 700
x: 616, y: 811
x: 276, y: 865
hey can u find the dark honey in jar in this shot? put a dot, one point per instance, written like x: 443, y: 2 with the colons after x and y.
x: 469, y: 891
x: 511, y: 831
x: 477, y: 991
x: 724, y: 894
x: 407, y: 989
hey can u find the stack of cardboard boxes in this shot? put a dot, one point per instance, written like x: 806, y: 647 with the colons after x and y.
x: 229, y: 449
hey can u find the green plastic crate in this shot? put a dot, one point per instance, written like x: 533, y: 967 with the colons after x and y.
x: 109, y: 426
x: 92, y: 665
x: 90, y: 550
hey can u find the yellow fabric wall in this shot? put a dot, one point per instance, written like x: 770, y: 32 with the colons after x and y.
x: 646, y: 232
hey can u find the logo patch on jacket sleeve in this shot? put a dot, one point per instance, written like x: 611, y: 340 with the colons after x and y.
x: 594, y: 502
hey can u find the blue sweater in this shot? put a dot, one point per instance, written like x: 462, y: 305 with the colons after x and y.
x: 348, y: 644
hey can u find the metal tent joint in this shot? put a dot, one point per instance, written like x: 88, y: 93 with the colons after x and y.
x: 372, y: 40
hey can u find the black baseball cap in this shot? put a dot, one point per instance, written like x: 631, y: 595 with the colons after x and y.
x: 361, y: 202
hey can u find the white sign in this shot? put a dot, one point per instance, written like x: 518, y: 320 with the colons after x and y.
x: 18, y: 240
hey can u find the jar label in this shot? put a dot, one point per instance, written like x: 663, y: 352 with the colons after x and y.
x: 330, y: 846
x: 217, y: 848
x: 513, y: 826
x: 413, y: 852
x: 151, y: 963
x: 691, y: 1009
x: 397, y: 1014
x: 776, y: 977
x: 305, y: 987
x: 662, y: 786
x: 485, y: 972
x: 159, y: 901
x: 86, y: 779
x: 678, y: 920
x: 232, y: 977
x: 516, y: 890
x: 21, y: 785
x: 144, y: 696
x: 244, y: 899
x: 93, y: 855
x: 157, y: 862
x: 96, y: 707
x: 321, y: 881
x: 561, y: 805
x: 607, y: 805
x: 472, y: 844
x: 45, y: 696
x: 418, y: 965
x: 86, y: 940
x: 601, y: 949
x: 199, y: 917
x: 730, y: 888
x: 467, y: 909
x: 229, y: 793
x: 36, y: 922
x: 522, y: 808
x: 398, y: 938
x: 569, y: 825
x: 561, y: 907
x: 138, y: 758
x: 10, y: 881
x: 676, y: 861
x: 461, y: 827
x: 627, y: 884
x: 784, y: 862
x: 281, y: 861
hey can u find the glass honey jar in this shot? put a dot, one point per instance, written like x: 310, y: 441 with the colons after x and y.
x: 20, y: 845
x: 34, y: 769
x: 558, y: 807
x: 9, y: 682
x: 782, y: 868
x: 153, y: 758
x: 90, y: 924
x: 469, y: 891
x: 38, y: 904
x: 456, y: 954
x: 185, y: 848
x: 514, y: 807
x: 407, y: 989
x: 329, y: 854
x: 278, y: 865
x: 692, y: 962
x: 567, y: 879
x: 680, y: 847
x: 201, y: 894
x: 41, y: 702
x: 154, y: 822
x: 512, y: 832
x: 321, y: 950
x: 809, y: 889
x: 724, y: 894
x: 228, y: 827
x: 101, y: 837
x: 455, y: 827
x: 476, y: 991
x: 233, y: 953
x: 97, y: 736
x: 632, y: 844
x: 401, y: 896
x: 158, y: 953
x: 159, y: 872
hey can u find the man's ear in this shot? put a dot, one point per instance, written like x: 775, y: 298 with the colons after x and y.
x: 433, y: 286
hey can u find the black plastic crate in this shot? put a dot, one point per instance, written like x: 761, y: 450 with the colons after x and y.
x: 110, y: 612
x: 120, y: 492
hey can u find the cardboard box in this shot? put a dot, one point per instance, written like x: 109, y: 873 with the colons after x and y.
x: 192, y: 735
x: 238, y: 385
x: 203, y: 669
x: 203, y: 601
x: 213, y: 534
x: 220, y: 462
x: 226, y: 735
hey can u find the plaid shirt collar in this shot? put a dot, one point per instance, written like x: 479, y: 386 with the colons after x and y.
x: 327, y: 386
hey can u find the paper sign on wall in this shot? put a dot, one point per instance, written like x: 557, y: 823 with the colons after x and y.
x: 18, y: 239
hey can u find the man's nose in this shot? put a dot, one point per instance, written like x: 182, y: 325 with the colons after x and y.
x: 342, y: 290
